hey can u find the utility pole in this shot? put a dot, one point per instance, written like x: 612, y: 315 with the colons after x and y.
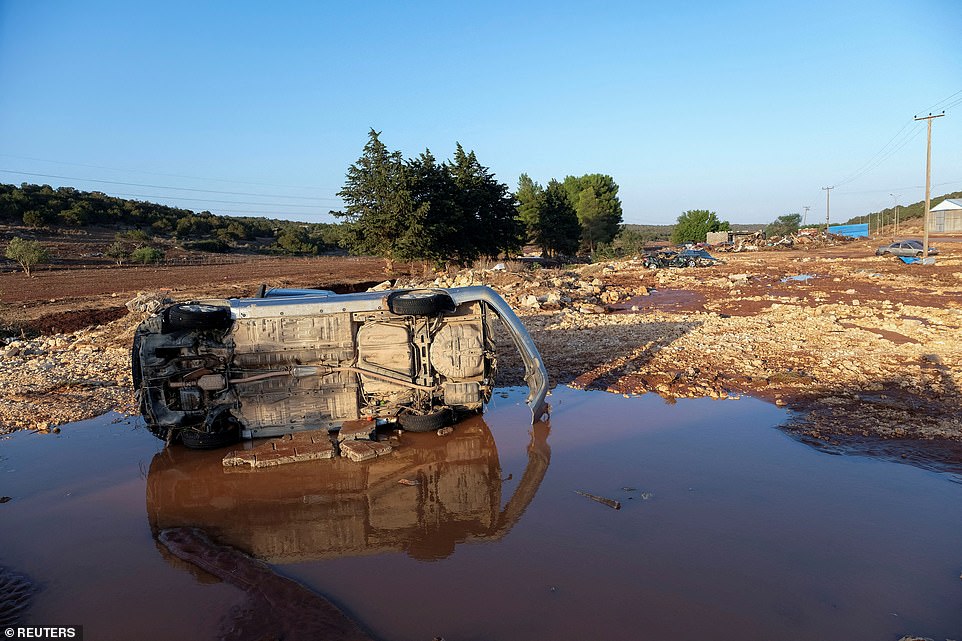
x: 895, y: 231
x: 928, y: 182
x: 805, y: 215
x: 828, y: 216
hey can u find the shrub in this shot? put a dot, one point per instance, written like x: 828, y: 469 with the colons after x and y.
x: 27, y: 253
x: 146, y: 255
x: 208, y: 245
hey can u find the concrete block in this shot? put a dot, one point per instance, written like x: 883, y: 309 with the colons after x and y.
x: 356, y: 430
x: 358, y: 451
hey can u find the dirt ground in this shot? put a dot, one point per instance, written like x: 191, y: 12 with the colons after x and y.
x: 859, y: 346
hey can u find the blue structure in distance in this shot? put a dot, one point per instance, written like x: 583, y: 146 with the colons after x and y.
x: 855, y: 231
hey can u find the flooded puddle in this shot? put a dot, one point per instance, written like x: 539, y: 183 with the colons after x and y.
x: 727, y: 529
x: 676, y: 300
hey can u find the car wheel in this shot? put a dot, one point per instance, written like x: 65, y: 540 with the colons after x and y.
x: 886, y: 253
x: 918, y: 254
x: 197, y: 316
x: 419, y: 302
x: 198, y: 440
x: 425, y: 422
x: 691, y: 263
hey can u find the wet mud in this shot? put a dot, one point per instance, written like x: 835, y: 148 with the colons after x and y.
x: 276, y: 607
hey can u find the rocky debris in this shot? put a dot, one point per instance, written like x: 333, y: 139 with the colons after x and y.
x: 52, y: 380
x: 356, y: 430
x: 380, y: 287
x: 290, y: 448
x: 359, y: 451
x: 890, y: 365
x: 147, y: 303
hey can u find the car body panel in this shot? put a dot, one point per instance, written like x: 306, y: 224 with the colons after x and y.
x: 310, y: 359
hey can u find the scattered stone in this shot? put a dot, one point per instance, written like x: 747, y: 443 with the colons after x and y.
x: 291, y: 448
x: 444, y: 431
x: 356, y: 430
x: 359, y: 451
x: 380, y: 287
x: 409, y: 482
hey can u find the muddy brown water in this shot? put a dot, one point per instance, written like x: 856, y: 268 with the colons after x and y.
x: 728, y: 529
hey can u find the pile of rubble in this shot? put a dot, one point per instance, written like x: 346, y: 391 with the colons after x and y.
x: 808, y: 238
x: 356, y: 441
x: 52, y: 380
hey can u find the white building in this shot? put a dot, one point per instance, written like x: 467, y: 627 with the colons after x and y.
x: 946, y: 216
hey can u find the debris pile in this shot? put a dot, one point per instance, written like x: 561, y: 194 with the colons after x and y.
x: 356, y: 441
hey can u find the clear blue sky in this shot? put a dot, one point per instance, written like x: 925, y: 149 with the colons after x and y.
x: 745, y: 108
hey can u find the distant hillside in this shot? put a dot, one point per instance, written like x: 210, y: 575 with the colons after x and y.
x: 43, y: 206
x: 906, y: 212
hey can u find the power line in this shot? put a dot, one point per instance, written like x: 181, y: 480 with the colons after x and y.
x: 879, y: 191
x: 128, y: 184
x: 886, y: 152
x: 222, y: 202
x: 157, y: 173
x: 940, y: 103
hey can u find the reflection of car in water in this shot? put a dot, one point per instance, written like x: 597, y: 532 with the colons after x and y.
x: 340, y: 508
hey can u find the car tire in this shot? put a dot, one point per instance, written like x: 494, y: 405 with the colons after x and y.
x: 197, y: 440
x: 197, y: 316
x: 918, y: 254
x: 425, y: 422
x: 691, y: 263
x: 420, y: 302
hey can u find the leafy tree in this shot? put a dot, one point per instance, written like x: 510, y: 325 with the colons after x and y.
x: 191, y: 226
x: 628, y: 242
x: 215, y: 245
x: 693, y: 226
x: 784, y: 225
x: 35, y: 218
x: 602, y: 222
x: 436, y: 213
x: 379, y: 210
x: 594, y: 228
x: 530, y: 197
x: 136, y: 237
x: 558, y: 227
x: 488, y: 211
x: 146, y: 255
x: 453, y: 211
x: 27, y: 253
x: 118, y: 252
x: 296, y: 240
x: 78, y: 214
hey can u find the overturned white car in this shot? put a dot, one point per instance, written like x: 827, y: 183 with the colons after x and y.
x: 210, y: 372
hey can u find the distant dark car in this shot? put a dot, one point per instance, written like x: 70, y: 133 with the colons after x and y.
x: 904, y: 248
x: 684, y: 258
x: 693, y: 258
